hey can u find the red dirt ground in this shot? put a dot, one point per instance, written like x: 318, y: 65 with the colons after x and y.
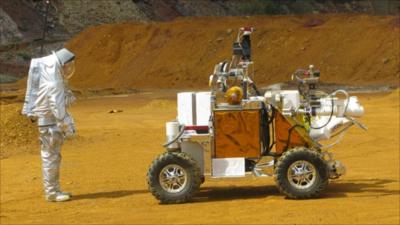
x: 105, y: 169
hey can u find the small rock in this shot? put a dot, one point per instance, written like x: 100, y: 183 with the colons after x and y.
x: 115, y: 111
x: 229, y: 31
x: 220, y: 39
x: 303, y: 48
x: 385, y: 60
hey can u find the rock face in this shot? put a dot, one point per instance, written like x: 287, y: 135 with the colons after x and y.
x: 24, y: 34
x: 78, y: 14
x: 8, y: 29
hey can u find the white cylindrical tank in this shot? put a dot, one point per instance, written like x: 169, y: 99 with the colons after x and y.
x: 325, y: 127
x: 354, y: 108
x: 172, y: 130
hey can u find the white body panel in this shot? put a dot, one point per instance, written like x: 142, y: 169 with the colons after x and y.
x: 194, y: 108
x: 203, y: 108
x: 228, y: 167
x: 196, y: 151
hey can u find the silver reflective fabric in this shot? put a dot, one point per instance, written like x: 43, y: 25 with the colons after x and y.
x: 47, y: 98
x: 47, y: 95
x: 51, y: 139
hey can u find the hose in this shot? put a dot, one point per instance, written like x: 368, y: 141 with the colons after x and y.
x: 175, y: 138
x: 253, y: 85
x: 329, y: 120
x: 347, y: 98
x: 332, y: 106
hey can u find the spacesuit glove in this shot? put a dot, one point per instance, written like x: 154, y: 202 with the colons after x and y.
x: 69, y: 131
x: 67, y: 127
x: 32, y: 118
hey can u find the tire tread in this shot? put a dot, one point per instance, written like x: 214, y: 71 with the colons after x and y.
x: 152, y: 176
x: 280, y: 175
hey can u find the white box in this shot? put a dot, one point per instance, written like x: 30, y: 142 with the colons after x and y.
x: 228, y: 167
x: 185, y: 108
x: 194, y: 108
x: 203, y: 108
x: 291, y: 99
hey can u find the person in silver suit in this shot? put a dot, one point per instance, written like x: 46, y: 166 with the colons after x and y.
x: 46, y: 101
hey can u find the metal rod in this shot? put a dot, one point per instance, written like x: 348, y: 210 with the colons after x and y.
x: 44, y: 26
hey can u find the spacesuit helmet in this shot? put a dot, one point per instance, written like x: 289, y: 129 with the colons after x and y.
x: 67, y: 61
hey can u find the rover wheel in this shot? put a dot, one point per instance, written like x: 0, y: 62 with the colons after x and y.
x: 301, y: 173
x: 174, y: 177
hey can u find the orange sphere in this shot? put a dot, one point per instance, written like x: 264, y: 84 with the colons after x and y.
x: 234, y: 95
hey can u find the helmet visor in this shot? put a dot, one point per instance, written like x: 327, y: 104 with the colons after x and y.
x: 69, y: 69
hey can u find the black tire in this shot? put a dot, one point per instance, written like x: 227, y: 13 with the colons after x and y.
x: 306, y: 184
x: 186, y: 165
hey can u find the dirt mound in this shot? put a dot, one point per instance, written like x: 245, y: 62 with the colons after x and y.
x: 349, y: 49
x: 18, y: 134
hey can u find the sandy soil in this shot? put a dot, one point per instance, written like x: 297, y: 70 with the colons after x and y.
x: 348, y: 49
x: 105, y: 169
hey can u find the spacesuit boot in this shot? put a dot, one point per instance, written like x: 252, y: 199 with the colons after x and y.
x: 59, y: 197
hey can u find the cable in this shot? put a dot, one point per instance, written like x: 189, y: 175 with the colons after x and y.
x: 253, y: 85
x: 329, y: 120
x: 290, y: 134
x: 332, y: 106
x: 175, y: 138
x: 273, y: 130
x: 347, y: 98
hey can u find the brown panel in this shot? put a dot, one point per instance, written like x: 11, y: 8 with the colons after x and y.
x: 237, y: 133
x: 282, y: 127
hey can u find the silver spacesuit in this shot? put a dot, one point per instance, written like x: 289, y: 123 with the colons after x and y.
x: 47, y: 99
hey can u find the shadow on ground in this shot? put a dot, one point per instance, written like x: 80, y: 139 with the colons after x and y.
x: 336, y: 189
x: 213, y: 194
x: 110, y: 194
x: 361, y: 187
